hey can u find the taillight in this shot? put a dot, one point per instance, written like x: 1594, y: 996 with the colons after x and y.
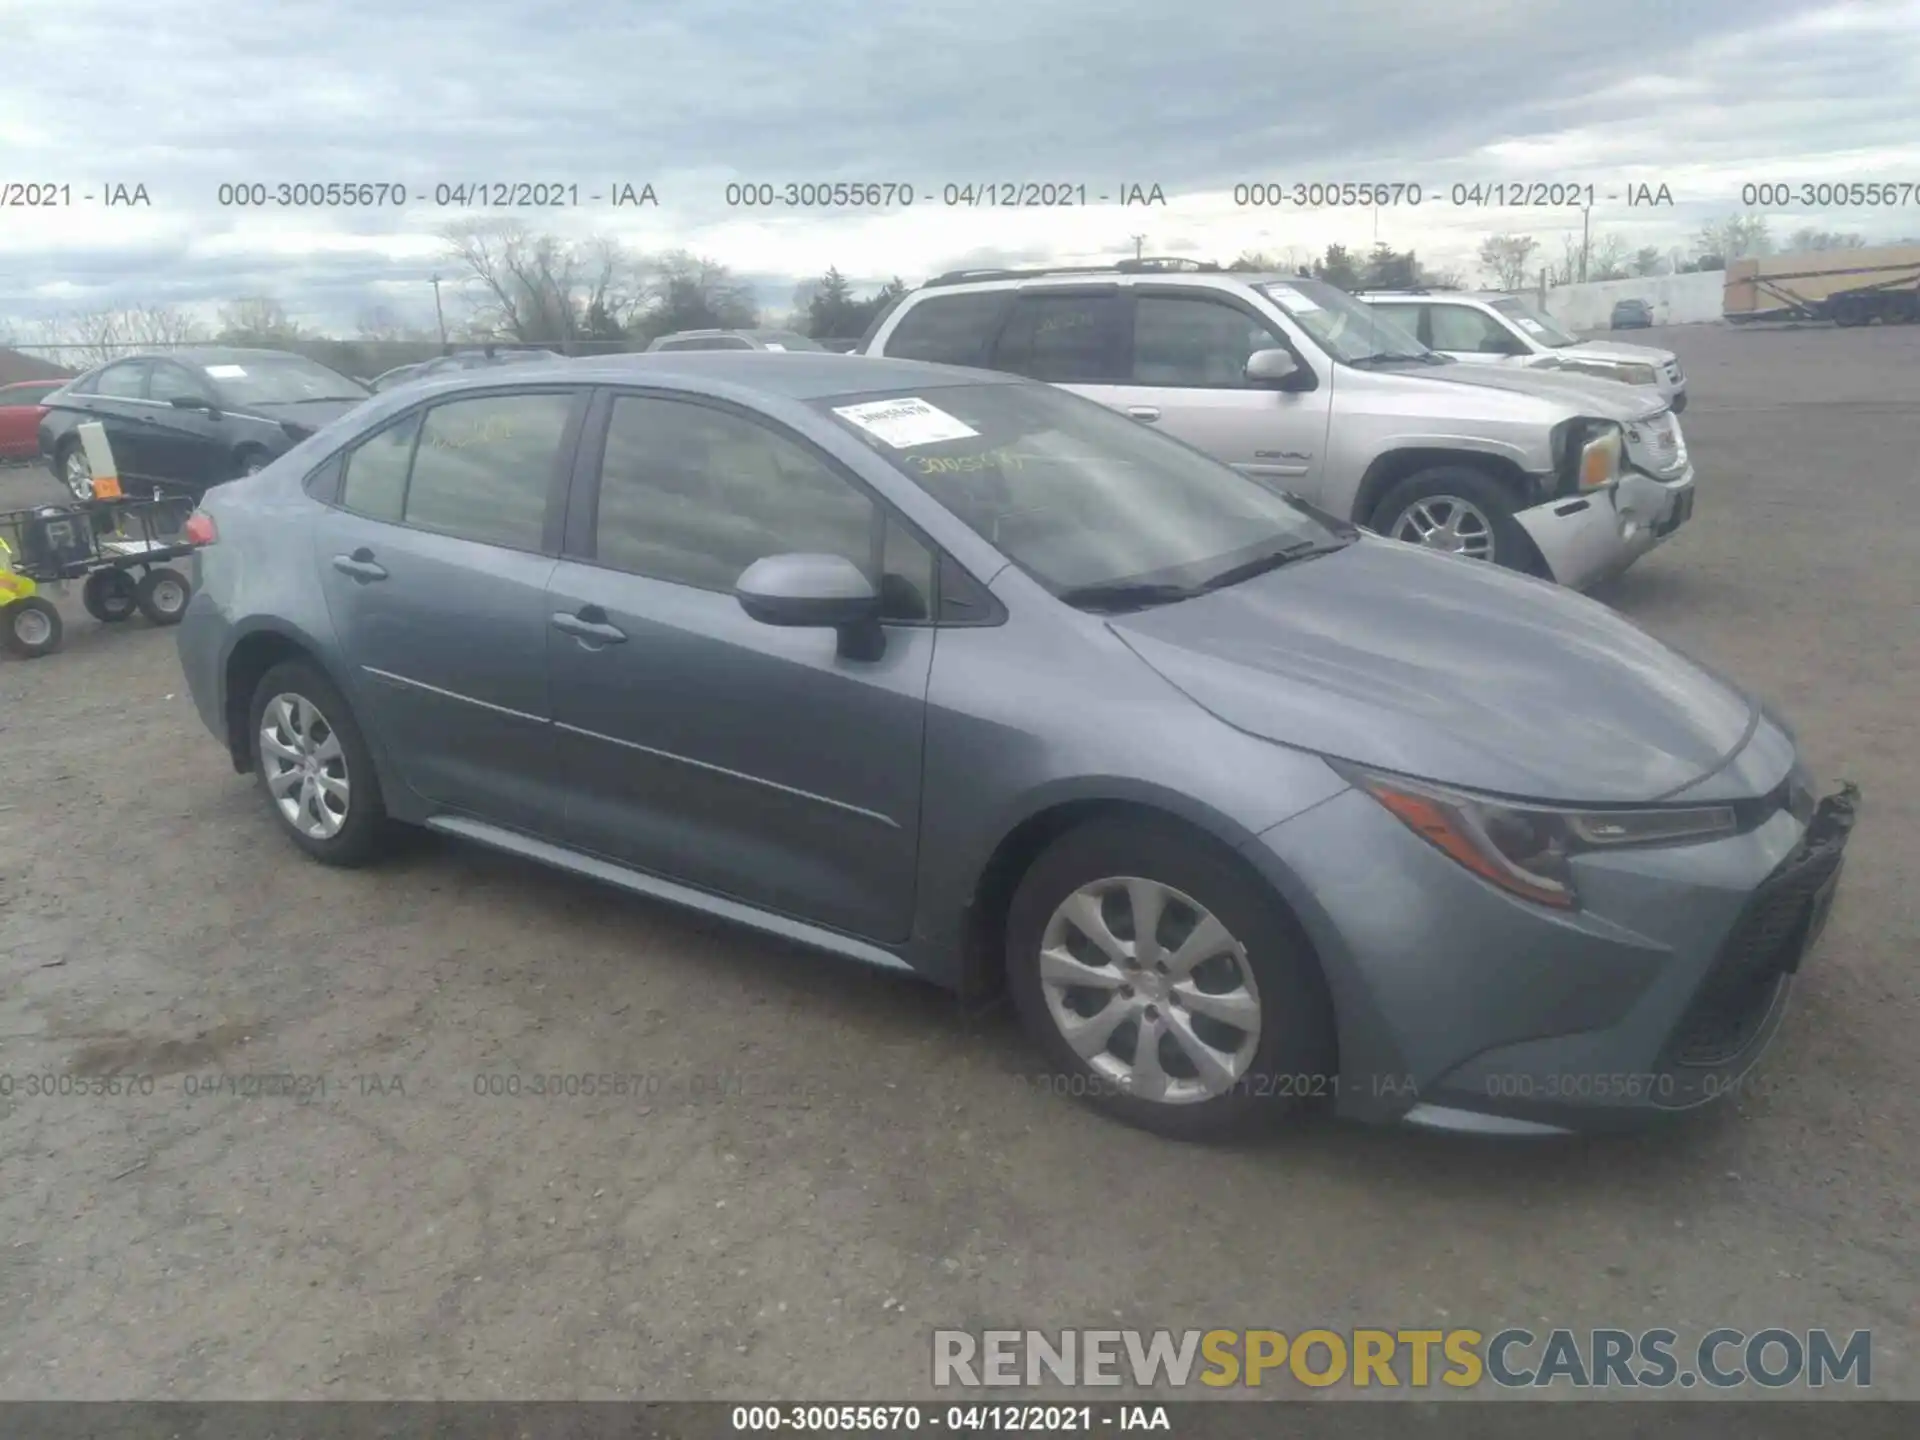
x: 200, y: 529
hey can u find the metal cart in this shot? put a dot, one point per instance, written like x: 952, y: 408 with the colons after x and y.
x: 120, y: 550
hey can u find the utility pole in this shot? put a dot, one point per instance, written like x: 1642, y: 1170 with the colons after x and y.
x: 1138, y: 242
x: 1586, y: 238
x: 440, y: 315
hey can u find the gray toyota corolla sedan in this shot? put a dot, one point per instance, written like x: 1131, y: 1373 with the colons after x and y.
x: 968, y: 676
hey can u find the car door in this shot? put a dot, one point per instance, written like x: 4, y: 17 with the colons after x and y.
x: 186, y: 446
x: 435, y: 560
x: 118, y: 400
x: 700, y: 745
x: 1466, y: 332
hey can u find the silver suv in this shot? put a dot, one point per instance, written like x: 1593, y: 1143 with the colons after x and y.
x: 734, y: 340
x: 1295, y: 382
x: 1498, y: 327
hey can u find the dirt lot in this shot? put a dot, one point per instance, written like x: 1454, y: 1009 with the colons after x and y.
x: 823, y: 1164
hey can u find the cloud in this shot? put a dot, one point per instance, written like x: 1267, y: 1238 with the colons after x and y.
x: 692, y: 97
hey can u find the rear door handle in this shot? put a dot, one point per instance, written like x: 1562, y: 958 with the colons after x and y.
x: 1146, y: 414
x: 360, y: 566
x: 590, y: 623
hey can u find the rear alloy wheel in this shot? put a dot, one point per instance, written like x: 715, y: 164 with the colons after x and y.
x: 110, y: 596
x: 31, y: 627
x: 314, y: 766
x: 1456, y: 510
x: 76, y: 472
x: 1165, y: 984
x: 253, y: 461
x: 163, y: 595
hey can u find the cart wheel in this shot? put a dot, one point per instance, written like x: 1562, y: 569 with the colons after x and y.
x: 32, y: 627
x: 110, y: 595
x: 162, y: 596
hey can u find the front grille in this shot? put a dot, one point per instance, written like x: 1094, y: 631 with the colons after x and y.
x: 1763, y: 948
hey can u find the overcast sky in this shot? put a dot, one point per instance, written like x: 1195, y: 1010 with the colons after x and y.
x: 181, y: 96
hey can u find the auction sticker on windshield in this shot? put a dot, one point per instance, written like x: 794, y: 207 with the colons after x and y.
x: 227, y: 372
x: 906, y: 422
x: 1291, y: 299
x: 1532, y: 327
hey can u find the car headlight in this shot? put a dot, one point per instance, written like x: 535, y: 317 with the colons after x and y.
x: 1525, y: 849
x: 1624, y: 372
x: 1600, y: 460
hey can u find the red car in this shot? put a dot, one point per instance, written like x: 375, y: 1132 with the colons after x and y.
x: 20, y: 412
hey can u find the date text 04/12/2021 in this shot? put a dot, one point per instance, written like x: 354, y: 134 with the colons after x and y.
x: 1005, y: 1419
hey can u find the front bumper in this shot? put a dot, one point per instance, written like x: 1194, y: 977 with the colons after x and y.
x: 1462, y: 1008
x: 1585, y: 539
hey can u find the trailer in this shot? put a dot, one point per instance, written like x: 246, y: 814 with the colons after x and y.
x: 101, y: 543
x: 1848, y: 287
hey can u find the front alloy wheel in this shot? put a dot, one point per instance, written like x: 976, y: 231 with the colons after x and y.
x: 305, y: 766
x: 1447, y: 523
x: 77, y: 473
x: 1151, y: 990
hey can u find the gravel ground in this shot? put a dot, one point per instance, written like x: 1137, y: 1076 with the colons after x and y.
x: 815, y: 1153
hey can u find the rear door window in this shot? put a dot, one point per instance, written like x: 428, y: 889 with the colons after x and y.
x: 948, y: 329
x: 1066, y: 339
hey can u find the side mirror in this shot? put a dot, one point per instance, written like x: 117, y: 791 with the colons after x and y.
x: 1275, y: 368
x: 825, y: 592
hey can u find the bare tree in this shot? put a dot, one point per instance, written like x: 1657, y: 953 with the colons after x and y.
x: 1735, y: 237
x: 257, y: 320
x: 97, y: 336
x: 1810, y: 239
x: 1505, y: 257
x: 1609, y: 257
x: 692, y: 292
x: 539, y: 288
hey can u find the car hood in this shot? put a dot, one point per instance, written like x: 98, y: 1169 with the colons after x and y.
x: 1428, y: 665
x: 1589, y: 394
x: 307, y: 415
x: 1615, y: 350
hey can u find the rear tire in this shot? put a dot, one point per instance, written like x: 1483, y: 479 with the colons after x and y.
x: 1207, y: 1076
x: 73, y: 470
x: 314, y: 768
x: 31, y: 628
x: 110, y: 596
x: 163, y: 595
x: 1458, y: 510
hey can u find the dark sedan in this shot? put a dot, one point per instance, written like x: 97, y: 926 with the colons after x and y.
x: 183, y: 420
x: 1631, y: 315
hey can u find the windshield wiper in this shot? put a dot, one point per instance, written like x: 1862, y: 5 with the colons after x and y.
x: 1272, y: 560
x: 1125, y: 595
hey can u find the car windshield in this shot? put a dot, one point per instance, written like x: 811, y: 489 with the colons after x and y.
x: 1348, y: 330
x: 280, y: 380
x: 1538, y: 325
x: 1097, y: 508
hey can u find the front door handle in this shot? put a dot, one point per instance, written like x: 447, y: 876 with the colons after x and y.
x: 1145, y: 414
x: 360, y: 565
x: 590, y: 623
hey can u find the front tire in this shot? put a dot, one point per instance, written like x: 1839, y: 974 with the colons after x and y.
x: 31, y: 627
x: 313, y: 766
x: 1457, y: 510
x: 1165, y: 984
x: 75, y: 471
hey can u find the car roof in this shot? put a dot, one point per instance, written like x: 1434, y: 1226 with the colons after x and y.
x: 787, y: 374
x: 208, y: 354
